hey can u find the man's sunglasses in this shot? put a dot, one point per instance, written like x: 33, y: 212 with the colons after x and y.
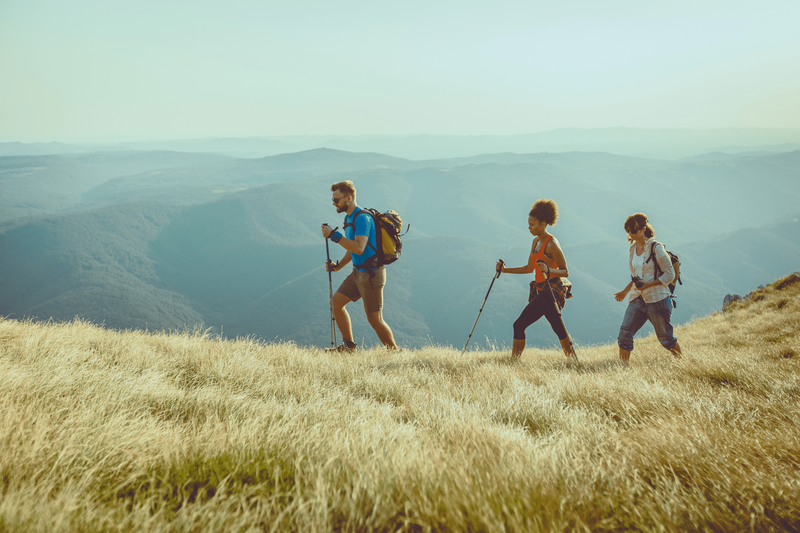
x: 336, y: 200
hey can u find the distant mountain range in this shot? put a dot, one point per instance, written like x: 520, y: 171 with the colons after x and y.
x: 637, y: 142
x: 167, y: 240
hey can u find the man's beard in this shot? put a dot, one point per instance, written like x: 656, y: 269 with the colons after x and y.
x: 340, y: 209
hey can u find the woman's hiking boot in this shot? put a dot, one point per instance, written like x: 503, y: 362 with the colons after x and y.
x: 569, y: 350
x: 346, y: 347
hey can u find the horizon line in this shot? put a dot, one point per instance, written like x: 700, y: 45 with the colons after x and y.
x: 177, y: 138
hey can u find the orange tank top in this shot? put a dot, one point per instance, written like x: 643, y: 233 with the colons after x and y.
x: 540, y: 255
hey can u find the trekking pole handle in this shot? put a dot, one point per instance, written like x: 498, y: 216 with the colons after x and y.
x: 500, y: 270
x: 332, y: 231
x: 546, y: 266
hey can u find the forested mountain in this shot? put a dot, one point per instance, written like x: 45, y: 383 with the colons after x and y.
x: 40, y: 185
x: 235, y: 244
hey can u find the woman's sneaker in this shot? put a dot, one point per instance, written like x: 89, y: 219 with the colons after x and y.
x: 345, y: 347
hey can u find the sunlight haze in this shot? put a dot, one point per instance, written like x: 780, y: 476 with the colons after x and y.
x: 91, y: 70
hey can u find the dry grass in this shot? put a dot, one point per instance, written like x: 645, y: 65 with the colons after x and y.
x: 105, y: 431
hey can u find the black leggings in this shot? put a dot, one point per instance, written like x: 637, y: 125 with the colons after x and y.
x: 542, y: 304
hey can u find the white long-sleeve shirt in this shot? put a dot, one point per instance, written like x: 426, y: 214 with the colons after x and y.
x: 656, y: 293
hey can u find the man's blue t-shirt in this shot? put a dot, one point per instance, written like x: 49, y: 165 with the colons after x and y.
x: 364, y: 225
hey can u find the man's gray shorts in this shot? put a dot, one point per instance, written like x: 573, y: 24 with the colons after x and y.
x: 361, y: 285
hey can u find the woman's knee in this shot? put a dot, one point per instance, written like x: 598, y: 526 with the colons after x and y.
x: 519, y: 329
x: 559, y: 330
x: 556, y: 324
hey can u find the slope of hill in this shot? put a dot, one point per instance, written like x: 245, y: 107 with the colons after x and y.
x: 738, y: 257
x: 92, y: 265
x: 38, y: 185
x: 138, y: 431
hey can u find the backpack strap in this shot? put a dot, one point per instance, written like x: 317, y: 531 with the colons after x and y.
x: 656, y: 266
x: 353, y: 223
x: 658, y: 270
x: 543, y: 247
x: 374, y: 261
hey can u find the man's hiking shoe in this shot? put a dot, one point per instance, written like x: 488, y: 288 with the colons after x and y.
x: 345, y: 347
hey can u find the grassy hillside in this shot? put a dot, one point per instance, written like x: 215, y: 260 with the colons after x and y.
x: 130, y: 431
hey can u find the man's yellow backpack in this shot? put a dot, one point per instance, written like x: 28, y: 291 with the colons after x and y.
x: 387, y: 234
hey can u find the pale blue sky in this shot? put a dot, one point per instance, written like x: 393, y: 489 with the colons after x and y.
x: 125, y: 70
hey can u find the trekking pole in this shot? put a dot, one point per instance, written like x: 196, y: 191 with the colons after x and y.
x: 330, y: 290
x: 497, y: 275
x: 558, y: 310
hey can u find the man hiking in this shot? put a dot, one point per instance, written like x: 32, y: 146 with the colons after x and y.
x: 360, y: 243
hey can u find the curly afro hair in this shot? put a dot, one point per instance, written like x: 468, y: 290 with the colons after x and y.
x: 545, y: 211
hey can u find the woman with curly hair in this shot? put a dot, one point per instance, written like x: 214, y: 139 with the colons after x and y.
x: 547, y: 261
x: 649, y: 294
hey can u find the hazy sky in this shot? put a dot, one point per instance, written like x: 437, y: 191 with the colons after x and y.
x: 147, y: 69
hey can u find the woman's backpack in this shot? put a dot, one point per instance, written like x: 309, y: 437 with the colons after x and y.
x: 676, y: 265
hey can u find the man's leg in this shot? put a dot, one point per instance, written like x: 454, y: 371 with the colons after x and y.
x: 342, y: 316
x: 381, y: 328
x: 370, y: 287
x: 346, y: 293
